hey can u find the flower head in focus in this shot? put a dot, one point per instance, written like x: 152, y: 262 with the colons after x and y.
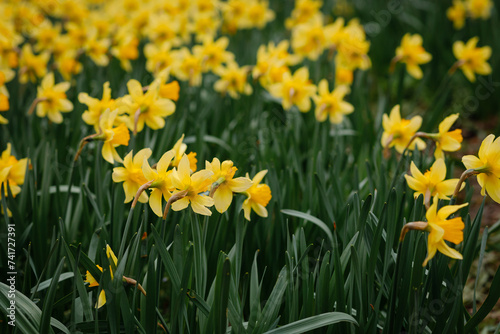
x: 161, y: 181
x: 96, y: 107
x: 131, y: 174
x: 446, y: 140
x: 225, y: 183
x: 398, y: 132
x: 258, y: 196
x: 295, y: 89
x: 487, y: 166
x: 112, y: 136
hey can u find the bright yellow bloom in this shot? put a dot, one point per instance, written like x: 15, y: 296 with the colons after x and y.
x: 213, y: 54
x: 6, y: 75
x: 333, y: 32
x: 187, y: 67
x: 295, y: 90
x: 225, y: 184
x: 32, y: 67
x: 126, y: 50
x: 488, y: 165
x: 204, y: 26
x: 233, y: 80
x: 131, y: 174
x: 432, y: 183
x: 68, y: 65
x: 162, y: 182
x: 146, y: 108
x: 479, y: 8
x: 353, y: 47
x: 95, y: 106
x: 53, y: 99
x: 272, y: 61
x: 234, y: 13
x: 158, y: 57
x: 194, y: 184
x: 472, y: 59
x: 309, y: 40
x: 93, y: 282
x: 398, y: 132
x: 170, y: 90
x: 45, y: 34
x: 441, y: 230
x: 259, y: 14
x: 258, y: 196
x: 163, y: 28
x: 97, y: 48
x: 449, y: 141
x: 303, y: 12
x: 412, y: 54
x: 331, y: 104
x: 457, y: 14
x: 12, y: 171
x: 112, y: 136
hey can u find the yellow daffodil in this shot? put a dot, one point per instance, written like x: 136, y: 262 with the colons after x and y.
x: 353, y: 47
x: 32, y: 67
x: 97, y: 48
x: 146, y: 108
x: 68, y: 65
x: 457, y: 14
x: 187, y: 66
x: 225, y: 184
x: 412, y: 54
x: 204, y: 26
x: 213, y: 54
x: 432, y: 183
x: 12, y: 171
x: 272, y: 61
x: 440, y: 230
x: 52, y: 99
x: 331, y: 104
x: 309, y: 40
x: 333, y: 32
x: 126, y: 50
x: 131, y: 174
x: 259, y: 14
x: 479, y: 8
x: 163, y: 28
x: 487, y: 166
x: 234, y: 14
x: 233, y: 80
x: 194, y: 185
x: 158, y: 57
x: 304, y: 11
x: 398, y: 132
x: 45, y: 34
x: 161, y: 181
x: 95, y: 106
x: 93, y: 282
x: 258, y: 196
x: 112, y: 136
x: 295, y: 90
x: 449, y: 141
x: 472, y: 59
x: 6, y: 75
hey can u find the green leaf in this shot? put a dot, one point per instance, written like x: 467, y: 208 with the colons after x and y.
x: 312, y: 219
x: 48, y: 301
x: 314, y: 322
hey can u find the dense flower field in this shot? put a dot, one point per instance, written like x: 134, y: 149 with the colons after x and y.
x: 231, y: 166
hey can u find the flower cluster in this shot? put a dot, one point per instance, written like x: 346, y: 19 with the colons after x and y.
x: 475, y: 9
x: 176, y: 179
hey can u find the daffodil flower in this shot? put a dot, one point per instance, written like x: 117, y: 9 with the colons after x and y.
x: 93, y: 282
x: 457, y: 14
x: 432, y: 183
x: 399, y: 132
x: 233, y: 80
x: 224, y: 184
x: 112, y: 136
x: 487, y: 167
x: 258, y: 196
x: 440, y: 230
x: 96, y: 107
x: 295, y: 89
x: 446, y: 140
x: 479, y: 8
x: 332, y: 104
x: 179, y: 149
x: 12, y: 171
x: 193, y: 186
x: 471, y: 59
x: 412, y: 53
x: 52, y: 99
x: 131, y: 174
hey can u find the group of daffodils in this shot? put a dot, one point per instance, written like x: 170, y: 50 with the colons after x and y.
x: 403, y: 135
x: 175, y: 179
x: 475, y: 9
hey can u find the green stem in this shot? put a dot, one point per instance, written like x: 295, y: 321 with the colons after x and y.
x: 125, y: 232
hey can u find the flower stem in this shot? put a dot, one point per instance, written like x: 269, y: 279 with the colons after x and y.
x: 35, y: 103
x: 465, y: 175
